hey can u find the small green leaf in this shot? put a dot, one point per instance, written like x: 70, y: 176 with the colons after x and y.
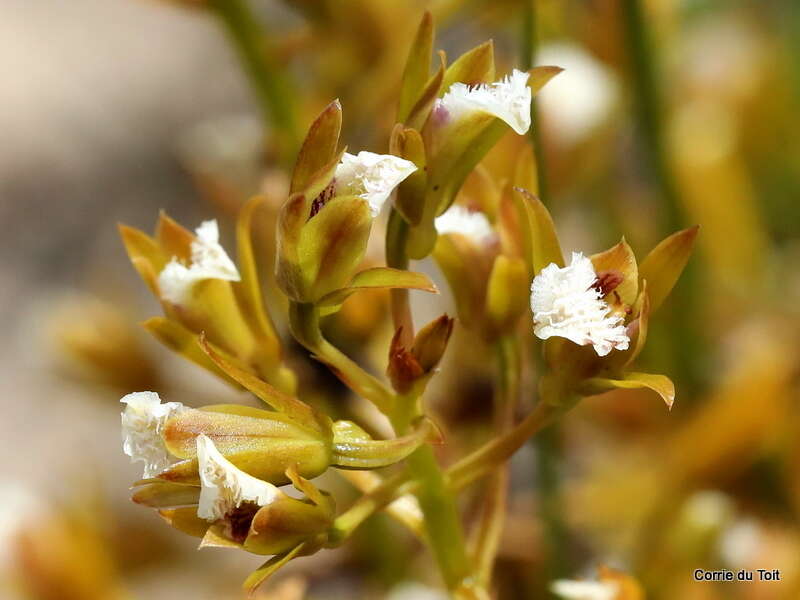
x: 545, y: 248
x: 380, y: 278
x: 182, y: 341
x: 665, y: 263
x: 474, y: 67
x: 185, y: 520
x: 164, y: 494
x: 422, y: 108
x: 295, y: 409
x: 354, y: 449
x: 319, y: 146
x: 539, y: 76
x: 660, y: 384
x: 417, y: 67
x: 145, y: 254
x: 174, y: 239
x: 265, y: 571
x: 248, y: 291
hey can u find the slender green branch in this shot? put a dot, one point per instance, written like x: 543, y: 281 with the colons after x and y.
x: 490, y: 529
x: 304, y: 323
x: 547, y: 454
x: 473, y: 466
x: 528, y: 45
x: 649, y: 112
x: 267, y: 76
x: 396, y: 237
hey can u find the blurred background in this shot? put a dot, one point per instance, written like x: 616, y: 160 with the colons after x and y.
x: 669, y: 113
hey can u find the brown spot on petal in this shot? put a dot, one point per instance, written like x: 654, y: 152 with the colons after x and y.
x: 607, y: 281
x: 239, y: 521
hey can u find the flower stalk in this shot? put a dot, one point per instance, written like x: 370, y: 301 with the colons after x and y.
x: 268, y: 79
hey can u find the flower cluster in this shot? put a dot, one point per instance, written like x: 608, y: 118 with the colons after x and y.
x: 216, y: 472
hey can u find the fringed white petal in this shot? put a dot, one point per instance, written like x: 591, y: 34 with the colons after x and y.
x: 142, y: 423
x: 225, y: 487
x: 509, y: 100
x: 584, y: 590
x: 461, y: 220
x: 371, y: 176
x: 209, y: 261
x: 566, y: 304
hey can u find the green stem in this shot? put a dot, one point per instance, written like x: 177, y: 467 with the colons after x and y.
x: 473, y: 466
x: 547, y: 452
x: 528, y: 45
x: 650, y: 121
x: 444, y: 532
x: 267, y: 76
x: 442, y: 523
x: 396, y: 237
x: 304, y: 324
x: 487, y: 540
x: 548, y: 456
x: 648, y: 108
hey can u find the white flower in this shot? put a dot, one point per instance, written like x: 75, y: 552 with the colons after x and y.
x: 209, y: 261
x: 225, y: 487
x: 509, y: 100
x: 142, y: 423
x: 584, y: 590
x: 566, y: 304
x: 582, y: 95
x: 371, y: 176
x: 472, y: 224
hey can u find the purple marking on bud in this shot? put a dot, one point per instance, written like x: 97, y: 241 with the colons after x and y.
x: 324, y: 196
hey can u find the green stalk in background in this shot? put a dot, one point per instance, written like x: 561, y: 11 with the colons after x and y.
x: 650, y: 123
x: 528, y: 44
x: 546, y: 443
x: 649, y: 110
x: 268, y: 77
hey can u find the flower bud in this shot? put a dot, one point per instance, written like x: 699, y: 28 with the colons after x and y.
x: 325, y: 223
x: 231, y: 508
x: 261, y: 443
x: 202, y: 291
x: 407, y: 366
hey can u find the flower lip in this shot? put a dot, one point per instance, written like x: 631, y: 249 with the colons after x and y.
x: 371, y: 176
x: 209, y: 261
x: 142, y: 424
x: 224, y: 487
x: 472, y: 224
x: 566, y: 302
x: 509, y: 100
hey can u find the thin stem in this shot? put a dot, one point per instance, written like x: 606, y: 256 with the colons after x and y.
x: 490, y: 529
x: 500, y: 449
x: 528, y: 46
x: 547, y: 451
x: 396, y: 237
x: 649, y: 111
x: 442, y: 522
x: 548, y: 455
x: 445, y: 533
x: 267, y: 76
x: 304, y: 324
x: 473, y: 466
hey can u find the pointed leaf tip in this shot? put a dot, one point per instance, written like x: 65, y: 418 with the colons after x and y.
x: 662, y: 267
